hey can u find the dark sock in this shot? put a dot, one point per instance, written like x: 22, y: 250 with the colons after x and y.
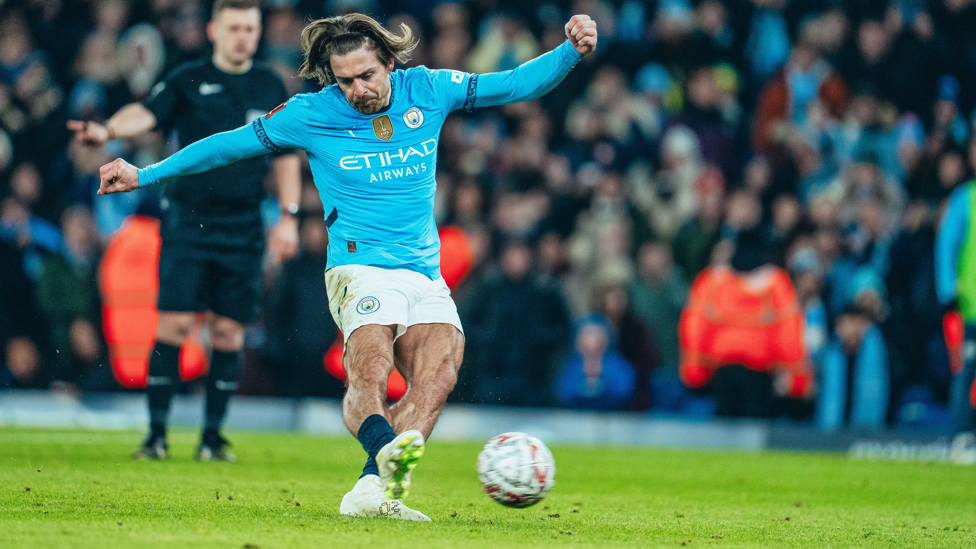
x: 163, y: 379
x: 225, y: 368
x: 370, y: 468
x: 374, y: 434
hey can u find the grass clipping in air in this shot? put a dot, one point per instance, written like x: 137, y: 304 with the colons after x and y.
x: 79, y: 489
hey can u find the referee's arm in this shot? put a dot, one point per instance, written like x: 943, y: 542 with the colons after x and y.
x: 131, y: 120
x: 283, y: 241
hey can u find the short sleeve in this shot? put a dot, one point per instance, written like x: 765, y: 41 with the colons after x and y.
x: 164, y: 98
x: 453, y: 89
x: 284, y: 126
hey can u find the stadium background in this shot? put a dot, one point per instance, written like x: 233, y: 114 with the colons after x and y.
x: 608, y: 195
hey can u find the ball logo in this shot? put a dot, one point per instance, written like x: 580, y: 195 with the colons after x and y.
x: 368, y: 305
x: 413, y: 118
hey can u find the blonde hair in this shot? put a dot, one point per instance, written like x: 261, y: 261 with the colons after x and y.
x: 343, y: 34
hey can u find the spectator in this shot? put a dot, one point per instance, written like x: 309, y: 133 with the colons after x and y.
x: 23, y: 367
x: 636, y: 342
x: 742, y: 330
x: 807, y: 80
x: 517, y: 326
x: 33, y: 235
x: 807, y: 275
x: 854, y: 383
x: 657, y: 295
x: 504, y: 44
x: 596, y: 376
x: 68, y: 294
x: 692, y: 245
x: 22, y: 327
x: 669, y: 202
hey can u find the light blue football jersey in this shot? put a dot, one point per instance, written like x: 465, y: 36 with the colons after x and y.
x: 375, y: 173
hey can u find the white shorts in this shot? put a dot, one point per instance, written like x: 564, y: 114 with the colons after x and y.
x: 361, y: 295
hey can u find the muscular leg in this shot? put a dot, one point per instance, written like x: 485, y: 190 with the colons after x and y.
x: 227, y: 338
x: 164, y: 366
x: 428, y: 356
x: 368, y: 360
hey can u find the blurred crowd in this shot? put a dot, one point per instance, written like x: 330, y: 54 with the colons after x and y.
x: 829, y: 132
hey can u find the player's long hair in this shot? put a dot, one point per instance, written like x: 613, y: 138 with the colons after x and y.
x: 343, y: 34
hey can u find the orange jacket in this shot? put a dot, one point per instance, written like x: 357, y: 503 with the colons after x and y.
x: 749, y: 319
x: 129, y: 285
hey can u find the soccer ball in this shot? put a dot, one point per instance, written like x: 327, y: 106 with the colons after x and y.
x: 516, y: 470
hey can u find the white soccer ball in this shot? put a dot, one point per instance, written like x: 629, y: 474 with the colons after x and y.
x: 516, y: 470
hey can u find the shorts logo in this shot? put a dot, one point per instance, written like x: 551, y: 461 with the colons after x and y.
x: 413, y: 118
x: 383, y: 127
x: 368, y: 304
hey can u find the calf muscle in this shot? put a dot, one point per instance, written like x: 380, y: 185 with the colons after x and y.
x: 368, y: 361
x: 428, y: 356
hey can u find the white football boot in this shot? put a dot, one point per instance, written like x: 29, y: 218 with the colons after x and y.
x: 367, y: 500
x: 396, y: 460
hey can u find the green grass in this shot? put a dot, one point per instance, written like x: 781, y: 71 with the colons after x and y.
x: 79, y: 489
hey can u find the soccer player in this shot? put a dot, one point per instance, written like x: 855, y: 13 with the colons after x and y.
x: 212, y: 237
x: 955, y: 285
x: 371, y: 136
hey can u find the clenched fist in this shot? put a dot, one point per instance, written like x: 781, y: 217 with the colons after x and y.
x: 581, y: 32
x: 118, y: 176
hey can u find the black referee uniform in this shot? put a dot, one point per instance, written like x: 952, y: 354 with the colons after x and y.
x: 212, y: 234
x: 213, y: 238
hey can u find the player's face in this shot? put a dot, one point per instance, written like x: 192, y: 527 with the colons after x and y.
x: 235, y: 34
x: 363, y: 78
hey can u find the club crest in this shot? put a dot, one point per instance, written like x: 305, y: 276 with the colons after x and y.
x: 413, y: 118
x: 383, y: 127
x: 368, y: 304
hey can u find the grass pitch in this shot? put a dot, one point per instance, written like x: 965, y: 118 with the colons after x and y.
x: 79, y: 489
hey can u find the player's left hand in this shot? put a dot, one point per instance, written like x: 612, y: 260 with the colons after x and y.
x: 118, y: 176
x: 283, y: 241
x: 581, y: 32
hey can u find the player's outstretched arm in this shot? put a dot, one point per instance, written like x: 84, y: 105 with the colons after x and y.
x: 537, y: 77
x: 214, y: 151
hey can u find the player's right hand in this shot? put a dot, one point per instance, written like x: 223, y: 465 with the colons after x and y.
x: 89, y: 133
x: 118, y: 176
x: 581, y: 32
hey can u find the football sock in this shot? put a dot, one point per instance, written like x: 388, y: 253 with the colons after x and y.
x: 163, y: 379
x: 370, y: 468
x: 374, y: 434
x: 225, y: 369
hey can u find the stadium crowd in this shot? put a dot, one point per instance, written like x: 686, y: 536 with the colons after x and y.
x: 822, y: 137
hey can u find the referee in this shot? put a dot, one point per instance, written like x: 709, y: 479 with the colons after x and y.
x: 212, y: 235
